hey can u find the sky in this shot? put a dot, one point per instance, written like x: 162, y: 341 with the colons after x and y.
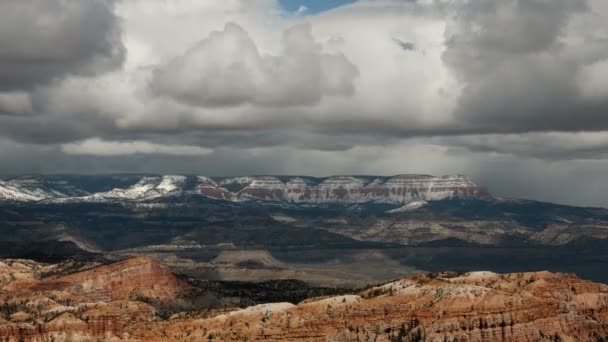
x: 308, y: 7
x: 512, y: 93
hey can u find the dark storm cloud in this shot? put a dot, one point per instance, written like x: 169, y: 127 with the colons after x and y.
x: 520, y: 63
x: 41, y: 40
x: 484, y: 34
x: 53, y: 129
x: 550, y: 146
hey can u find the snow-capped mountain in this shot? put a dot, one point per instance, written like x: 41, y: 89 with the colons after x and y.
x: 30, y: 189
x: 400, y: 189
x: 9, y: 191
x: 146, y: 188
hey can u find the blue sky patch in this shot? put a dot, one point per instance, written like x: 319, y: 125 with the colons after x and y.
x: 312, y: 6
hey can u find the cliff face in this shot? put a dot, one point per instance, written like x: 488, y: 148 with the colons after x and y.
x: 351, y: 189
x: 129, y: 279
x: 477, y: 306
x: 100, y: 302
x: 399, y: 189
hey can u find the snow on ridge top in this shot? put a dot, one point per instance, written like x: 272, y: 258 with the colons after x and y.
x: 236, y: 180
x: 171, y: 183
x: 151, y: 187
x: 368, y: 180
x: 10, y: 192
x: 399, y: 189
x: 269, y: 182
x: 299, y: 181
x: 263, y: 309
x: 206, y: 180
x: 412, y: 176
x: 431, y: 181
x: 460, y: 178
x: 343, y: 180
x: 30, y: 190
x: 146, y: 187
x: 266, y: 179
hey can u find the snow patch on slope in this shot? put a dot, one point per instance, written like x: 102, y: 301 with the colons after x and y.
x: 9, y: 192
x: 146, y: 188
x: 408, y: 207
x: 263, y: 309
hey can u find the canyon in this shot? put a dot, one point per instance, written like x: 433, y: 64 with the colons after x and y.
x: 122, y: 301
x: 341, y: 231
x: 99, y: 281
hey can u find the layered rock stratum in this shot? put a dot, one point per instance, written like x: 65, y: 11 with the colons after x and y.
x: 39, y: 303
x: 112, y: 303
x: 400, y: 189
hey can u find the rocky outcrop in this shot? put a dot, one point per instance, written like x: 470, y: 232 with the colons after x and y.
x: 99, y: 303
x: 136, y: 277
x: 479, y: 306
x: 476, y: 307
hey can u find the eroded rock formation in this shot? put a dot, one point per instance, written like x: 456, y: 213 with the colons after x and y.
x: 476, y: 306
x: 37, y: 303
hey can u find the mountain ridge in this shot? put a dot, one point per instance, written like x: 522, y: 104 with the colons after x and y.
x: 398, y: 189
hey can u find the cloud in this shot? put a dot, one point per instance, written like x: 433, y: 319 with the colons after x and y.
x: 543, y: 145
x: 483, y: 35
x: 42, y: 40
x: 522, y: 65
x: 98, y: 147
x: 15, y: 102
x: 407, y: 46
x: 593, y: 81
x: 226, y: 69
x: 500, y: 90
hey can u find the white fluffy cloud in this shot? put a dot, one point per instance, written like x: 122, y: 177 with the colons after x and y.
x: 227, y: 69
x: 98, y: 147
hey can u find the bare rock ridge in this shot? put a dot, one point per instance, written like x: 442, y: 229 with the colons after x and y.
x: 136, y: 277
x: 401, y: 189
x: 39, y: 304
x: 475, y: 306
